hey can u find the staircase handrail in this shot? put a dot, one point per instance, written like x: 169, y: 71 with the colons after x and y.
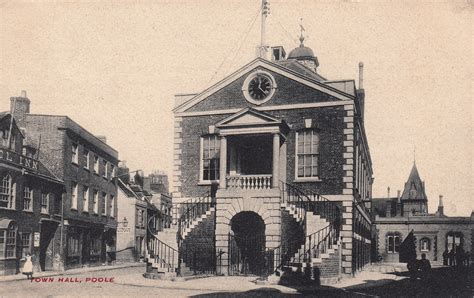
x: 197, y: 208
x: 163, y: 253
x: 284, y: 257
x: 311, y: 201
x: 318, y: 243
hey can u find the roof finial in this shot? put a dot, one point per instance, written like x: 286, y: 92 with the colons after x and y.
x: 414, y: 154
x: 301, y: 35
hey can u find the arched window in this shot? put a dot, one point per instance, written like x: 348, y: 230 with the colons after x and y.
x: 8, y: 236
x: 393, y: 242
x: 454, y: 240
x: 7, y: 198
x: 425, y: 244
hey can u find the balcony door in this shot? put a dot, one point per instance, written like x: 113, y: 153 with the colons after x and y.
x: 250, y: 155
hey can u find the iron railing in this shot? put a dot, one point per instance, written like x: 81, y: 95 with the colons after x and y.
x: 311, y: 246
x: 164, y: 255
x: 311, y: 202
x: 316, y: 244
x: 191, y: 210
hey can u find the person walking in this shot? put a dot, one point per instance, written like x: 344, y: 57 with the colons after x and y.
x: 28, y: 267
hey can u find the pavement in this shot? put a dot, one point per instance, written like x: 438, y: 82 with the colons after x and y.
x: 128, y: 280
x: 75, y: 271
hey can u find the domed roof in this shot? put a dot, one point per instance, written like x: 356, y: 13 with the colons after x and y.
x: 303, y: 53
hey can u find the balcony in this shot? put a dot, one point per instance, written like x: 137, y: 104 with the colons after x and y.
x: 249, y: 182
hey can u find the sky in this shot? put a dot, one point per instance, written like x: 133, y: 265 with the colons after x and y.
x: 114, y: 67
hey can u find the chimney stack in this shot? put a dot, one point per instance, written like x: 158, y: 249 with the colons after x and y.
x: 360, y: 91
x: 388, y: 192
x: 361, y: 75
x: 19, y: 107
x: 123, y: 172
x: 398, y: 195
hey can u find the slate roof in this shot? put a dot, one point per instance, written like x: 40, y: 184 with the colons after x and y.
x: 414, y: 187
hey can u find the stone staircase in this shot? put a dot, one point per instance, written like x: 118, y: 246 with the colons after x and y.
x: 163, y: 257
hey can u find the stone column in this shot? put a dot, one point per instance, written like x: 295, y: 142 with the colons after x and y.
x: 223, y: 163
x: 276, y: 160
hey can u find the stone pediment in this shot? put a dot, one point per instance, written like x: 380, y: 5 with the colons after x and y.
x: 248, y: 117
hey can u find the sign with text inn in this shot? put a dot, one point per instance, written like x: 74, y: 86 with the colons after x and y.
x: 18, y: 159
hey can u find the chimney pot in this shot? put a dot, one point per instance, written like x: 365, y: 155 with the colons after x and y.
x: 361, y: 75
x: 23, y: 94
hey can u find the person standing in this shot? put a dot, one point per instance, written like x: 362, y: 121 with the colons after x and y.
x: 424, y: 267
x: 28, y: 267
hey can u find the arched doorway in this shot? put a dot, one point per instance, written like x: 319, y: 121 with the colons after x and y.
x: 247, y: 244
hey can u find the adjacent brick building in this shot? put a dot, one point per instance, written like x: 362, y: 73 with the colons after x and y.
x: 86, y: 165
x: 30, y: 203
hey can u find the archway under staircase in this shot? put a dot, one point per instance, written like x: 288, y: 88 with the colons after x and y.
x: 246, y: 244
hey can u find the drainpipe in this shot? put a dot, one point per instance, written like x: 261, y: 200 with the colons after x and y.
x: 61, y: 245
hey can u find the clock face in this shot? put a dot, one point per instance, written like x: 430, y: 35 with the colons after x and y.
x: 260, y: 87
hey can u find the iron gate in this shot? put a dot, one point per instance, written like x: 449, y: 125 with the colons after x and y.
x: 247, y: 255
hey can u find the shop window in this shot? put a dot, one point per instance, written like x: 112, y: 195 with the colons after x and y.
x: 25, y: 244
x: 7, y: 192
x: 307, y: 157
x: 393, y: 242
x: 95, y: 245
x: 73, y: 245
x: 45, y: 203
x: 425, y: 244
x: 210, y: 151
x: 28, y: 198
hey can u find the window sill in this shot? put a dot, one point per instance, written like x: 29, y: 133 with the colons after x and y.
x: 73, y: 209
x: 307, y: 179
x: 208, y: 182
x: 86, y: 169
x: 85, y: 211
x: 29, y: 211
x: 44, y: 213
x: 7, y: 208
x: 74, y: 163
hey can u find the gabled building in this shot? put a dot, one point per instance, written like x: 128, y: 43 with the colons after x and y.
x: 30, y: 204
x: 86, y: 165
x: 266, y: 161
x: 406, y: 218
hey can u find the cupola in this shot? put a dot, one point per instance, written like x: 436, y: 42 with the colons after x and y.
x: 304, y: 55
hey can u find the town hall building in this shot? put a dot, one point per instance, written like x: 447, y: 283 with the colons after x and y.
x: 272, y: 174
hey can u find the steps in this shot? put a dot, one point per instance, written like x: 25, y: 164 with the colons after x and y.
x: 166, y: 244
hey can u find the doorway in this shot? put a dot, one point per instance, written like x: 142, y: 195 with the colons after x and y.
x: 247, y: 244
